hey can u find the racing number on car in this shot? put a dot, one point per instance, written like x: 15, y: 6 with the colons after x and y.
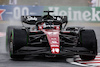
x: 55, y: 50
x: 54, y: 42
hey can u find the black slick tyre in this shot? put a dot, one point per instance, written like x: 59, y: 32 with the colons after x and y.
x: 89, y: 41
x: 18, y: 39
x: 8, y: 34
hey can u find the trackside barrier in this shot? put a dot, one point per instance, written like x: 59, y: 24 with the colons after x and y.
x: 82, y: 14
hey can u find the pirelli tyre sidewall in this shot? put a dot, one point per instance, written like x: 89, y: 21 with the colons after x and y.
x: 19, y: 38
x: 8, y: 34
x: 89, y: 41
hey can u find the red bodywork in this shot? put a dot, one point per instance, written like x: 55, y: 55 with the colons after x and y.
x: 53, y: 38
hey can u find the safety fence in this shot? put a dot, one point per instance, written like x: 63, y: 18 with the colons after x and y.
x: 82, y: 14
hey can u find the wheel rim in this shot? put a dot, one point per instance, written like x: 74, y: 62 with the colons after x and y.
x: 11, y: 45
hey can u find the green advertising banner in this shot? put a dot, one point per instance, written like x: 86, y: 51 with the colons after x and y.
x: 82, y: 14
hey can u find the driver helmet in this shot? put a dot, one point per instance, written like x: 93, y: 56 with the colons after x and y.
x: 46, y: 25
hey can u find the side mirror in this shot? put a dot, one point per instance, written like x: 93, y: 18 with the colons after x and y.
x: 64, y: 19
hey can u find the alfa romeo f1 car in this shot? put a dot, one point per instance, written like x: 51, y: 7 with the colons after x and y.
x: 50, y: 36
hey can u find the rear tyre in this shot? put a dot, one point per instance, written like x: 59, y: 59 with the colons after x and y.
x: 18, y: 39
x: 89, y: 41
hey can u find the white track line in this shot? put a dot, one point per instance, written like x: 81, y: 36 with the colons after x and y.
x: 93, y: 63
x: 70, y: 60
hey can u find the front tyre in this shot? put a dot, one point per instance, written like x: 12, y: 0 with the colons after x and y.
x: 8, y: 35
x: 18, y: 39
x: 89, y: 41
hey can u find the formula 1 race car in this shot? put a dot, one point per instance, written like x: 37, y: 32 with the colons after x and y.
x: 50, y: 37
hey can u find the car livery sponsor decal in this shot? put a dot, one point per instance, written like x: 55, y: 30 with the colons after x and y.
x: 53, y: 38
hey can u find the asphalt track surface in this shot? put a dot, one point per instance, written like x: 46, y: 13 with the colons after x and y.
x: 6, y: 61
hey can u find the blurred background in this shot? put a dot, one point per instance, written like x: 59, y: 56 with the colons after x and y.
x: 48, y: 2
